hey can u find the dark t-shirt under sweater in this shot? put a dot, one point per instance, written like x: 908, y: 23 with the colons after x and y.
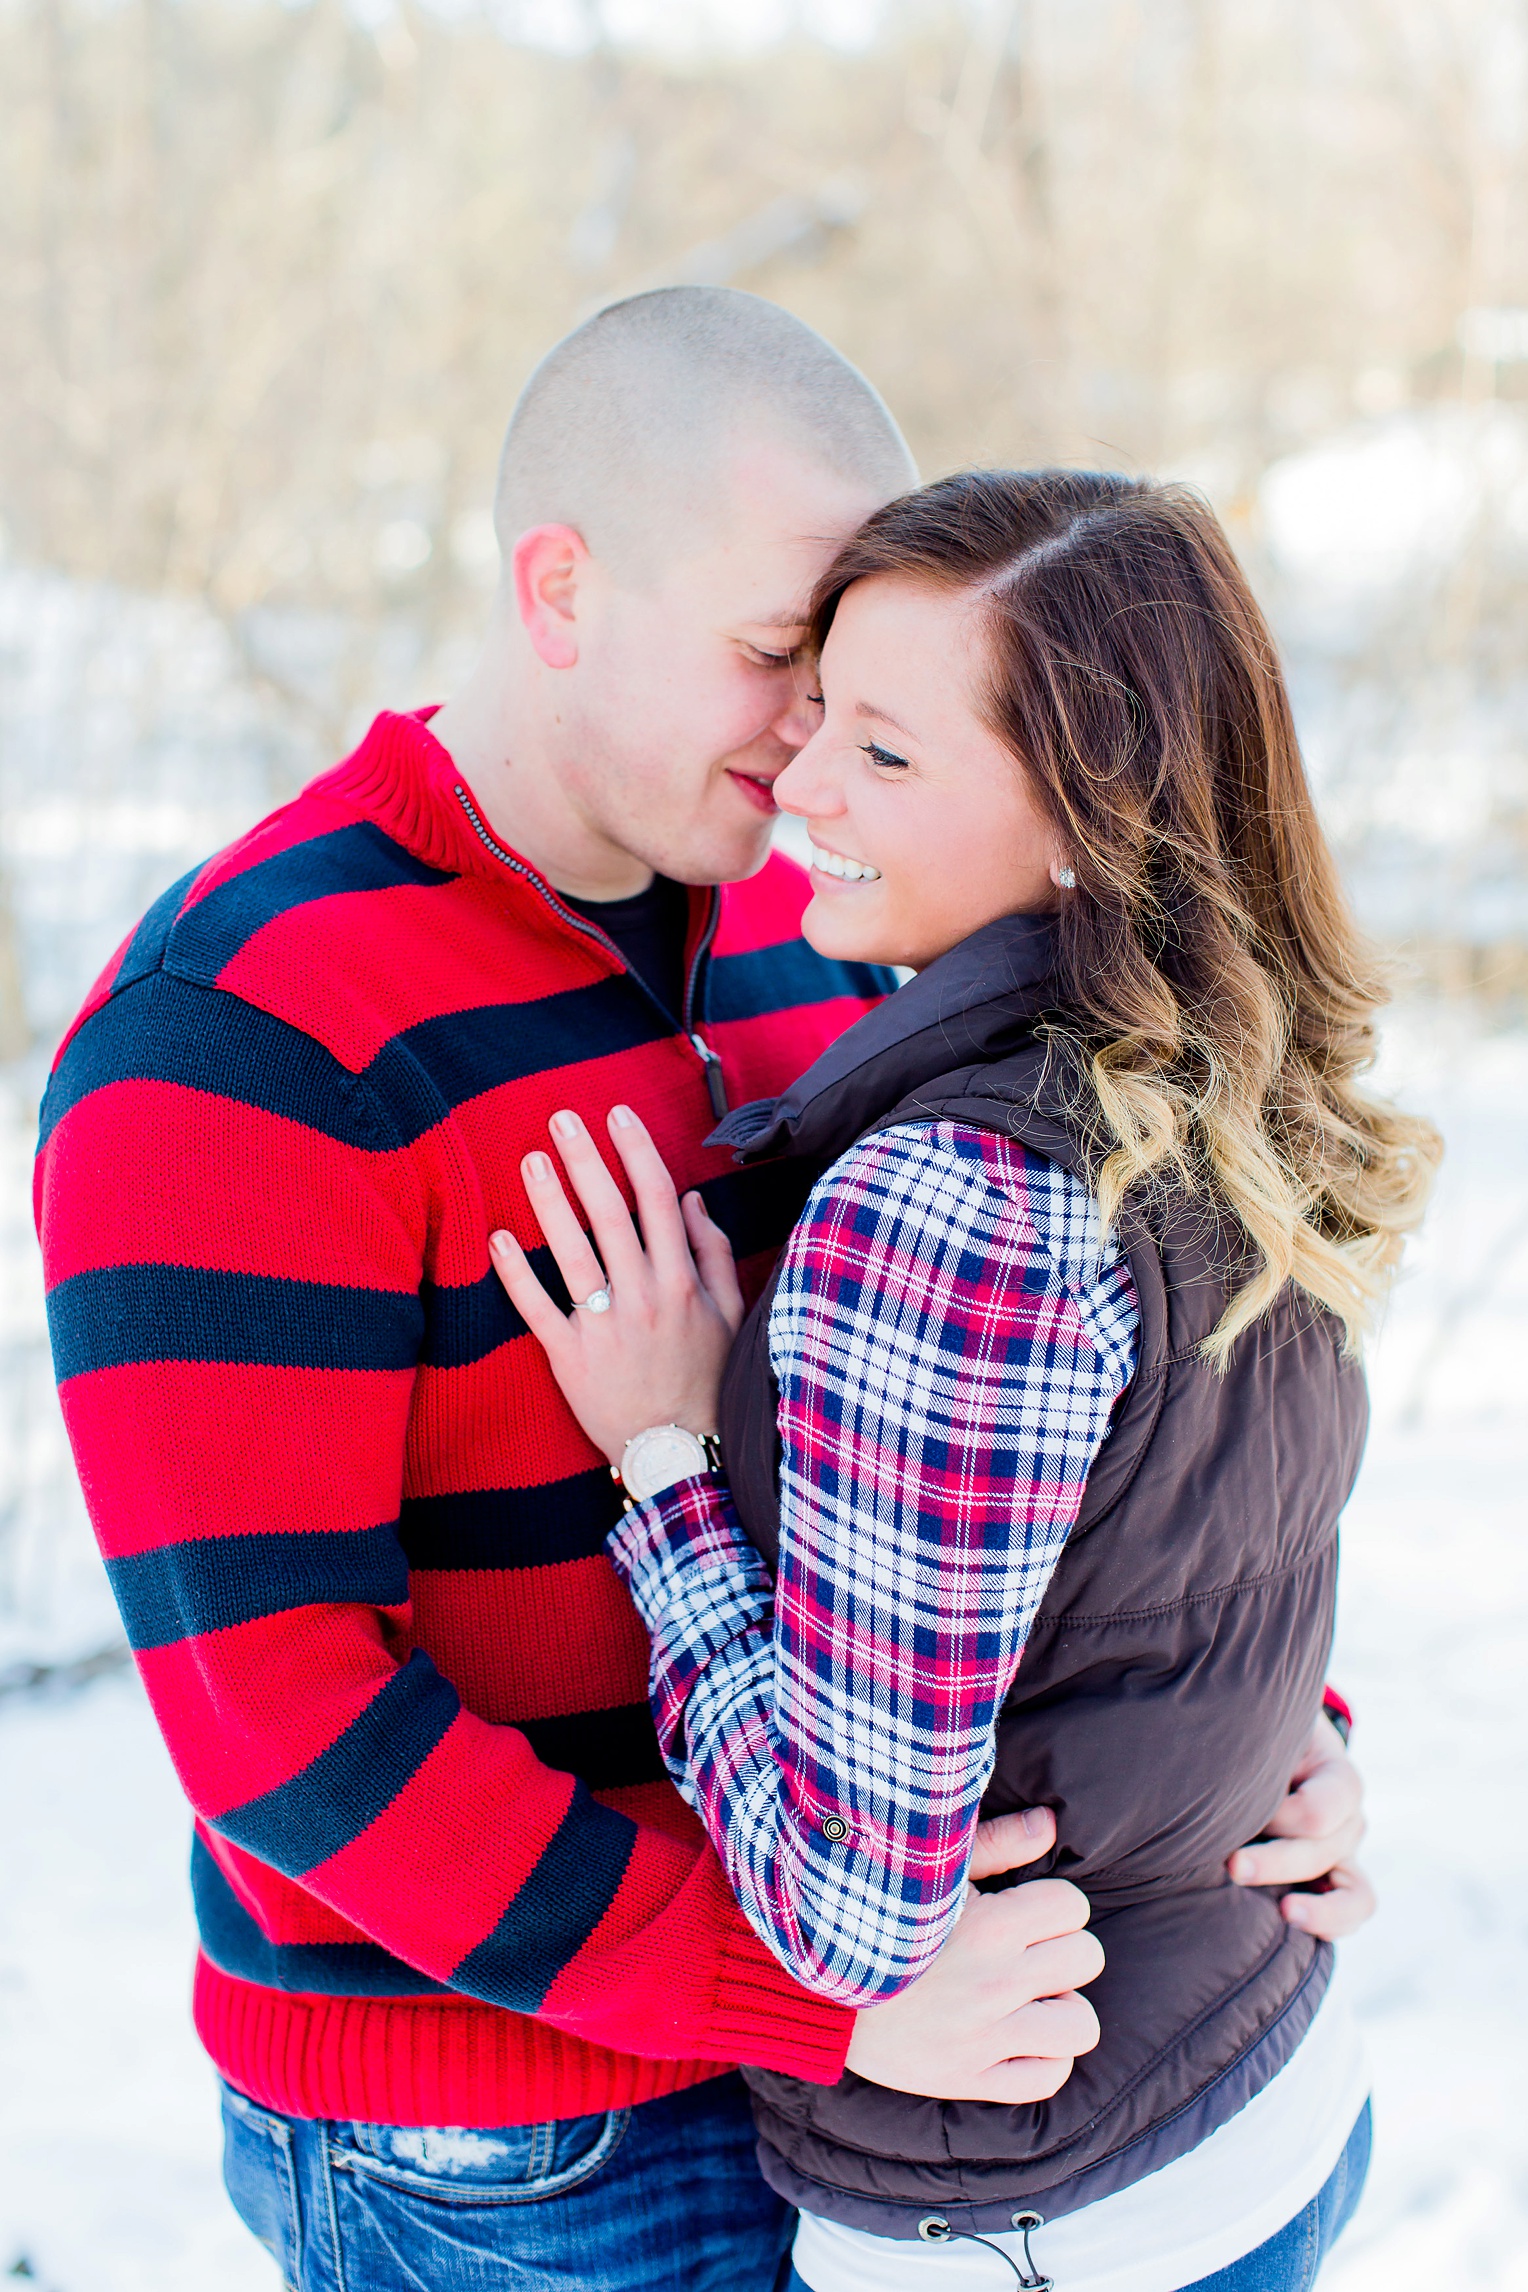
x: 650, y: 931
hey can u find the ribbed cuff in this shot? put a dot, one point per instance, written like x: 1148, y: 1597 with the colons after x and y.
x: 764, y: 2018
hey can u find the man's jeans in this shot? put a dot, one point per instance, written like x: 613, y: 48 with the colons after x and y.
x: 663, y: 2198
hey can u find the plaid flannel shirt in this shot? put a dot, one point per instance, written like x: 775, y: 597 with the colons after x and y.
x: 950, y: 1333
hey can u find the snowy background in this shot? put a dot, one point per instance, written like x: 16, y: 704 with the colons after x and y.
x: 277, y: 272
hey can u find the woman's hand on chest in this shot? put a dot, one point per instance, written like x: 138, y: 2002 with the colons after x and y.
x: 654, y: 1313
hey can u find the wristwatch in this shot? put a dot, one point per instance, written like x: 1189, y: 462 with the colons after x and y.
x: 662, y: 1455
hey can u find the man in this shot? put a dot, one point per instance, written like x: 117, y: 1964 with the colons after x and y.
x: 463, y: 1947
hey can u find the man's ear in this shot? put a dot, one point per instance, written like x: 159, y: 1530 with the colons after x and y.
x: 548, y: 563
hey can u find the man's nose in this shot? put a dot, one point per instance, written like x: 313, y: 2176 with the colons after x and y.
x: 805, y: 789
x: 797, y: 720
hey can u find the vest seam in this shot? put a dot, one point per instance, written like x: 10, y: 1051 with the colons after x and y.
x: 1145, y: 1397
x: 1188, y: 1356
x: 1160, y: 2124
x: 1174, y: 2044
x: 1189, y: 1600
x: 1135, y: 1407
x: 1147, y: 2132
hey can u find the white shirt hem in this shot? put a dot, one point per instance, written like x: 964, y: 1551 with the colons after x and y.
x: 1183, y: 2222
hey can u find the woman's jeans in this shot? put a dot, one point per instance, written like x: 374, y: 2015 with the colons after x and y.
x: 666, y: 2197
x: 1291, y: 2261
x: 1288, y: 2262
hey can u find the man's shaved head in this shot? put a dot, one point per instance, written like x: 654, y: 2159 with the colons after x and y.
x: 628, y: 428
x: 678, y: 475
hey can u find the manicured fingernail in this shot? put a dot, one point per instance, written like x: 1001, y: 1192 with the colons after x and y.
x: 1295, y: 1911
x: 623, y: 1118
x: 1243, y: 1868
x: 565, y: 1125
x: 1036, y: 1821
x: 537, y: 1166
x: 499, y: 1240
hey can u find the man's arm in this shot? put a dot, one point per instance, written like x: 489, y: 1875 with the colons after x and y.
x: 233, y: 1248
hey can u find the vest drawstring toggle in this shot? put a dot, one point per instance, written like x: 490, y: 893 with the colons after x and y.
x: 935, y: 2229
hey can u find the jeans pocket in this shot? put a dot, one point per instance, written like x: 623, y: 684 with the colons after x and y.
x: 260, y: 2175
x: 446, y: 2165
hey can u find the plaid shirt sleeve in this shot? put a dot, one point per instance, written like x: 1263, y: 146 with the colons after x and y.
x: 950, y: 1334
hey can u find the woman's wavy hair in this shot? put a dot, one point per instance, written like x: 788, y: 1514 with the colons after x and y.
x: 1210, y: 971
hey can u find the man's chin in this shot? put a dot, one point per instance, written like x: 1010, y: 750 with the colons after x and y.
x: 727, y: 859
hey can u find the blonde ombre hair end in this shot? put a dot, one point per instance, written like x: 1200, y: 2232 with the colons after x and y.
x: 1211, y: 977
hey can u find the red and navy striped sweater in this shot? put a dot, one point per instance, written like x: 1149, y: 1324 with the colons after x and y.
x: 356, y: 1535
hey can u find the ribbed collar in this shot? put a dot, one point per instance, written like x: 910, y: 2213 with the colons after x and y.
x: 969, y: 1008
x: 401, y: 777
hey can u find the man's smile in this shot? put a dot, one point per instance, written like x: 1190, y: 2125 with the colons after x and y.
x: 758, y: 787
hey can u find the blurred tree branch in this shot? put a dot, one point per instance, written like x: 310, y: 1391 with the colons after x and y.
x: 273, y: 277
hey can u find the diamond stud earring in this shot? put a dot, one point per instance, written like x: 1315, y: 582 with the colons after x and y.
x: 1066, y: 879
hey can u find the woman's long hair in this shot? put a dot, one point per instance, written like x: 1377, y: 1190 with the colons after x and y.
x: 1210, y: 969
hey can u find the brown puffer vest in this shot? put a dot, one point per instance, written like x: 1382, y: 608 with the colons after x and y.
x: 1172, y: 1676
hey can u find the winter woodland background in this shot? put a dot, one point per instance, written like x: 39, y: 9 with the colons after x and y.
x: 271, y: 277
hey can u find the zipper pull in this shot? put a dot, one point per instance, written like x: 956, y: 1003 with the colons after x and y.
x: 716, y: 1084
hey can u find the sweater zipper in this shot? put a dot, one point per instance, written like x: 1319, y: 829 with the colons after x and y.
x: 716, y: 1082
x: 711, y: 1065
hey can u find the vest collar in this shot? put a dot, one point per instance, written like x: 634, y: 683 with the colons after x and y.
x: 971, y: 1007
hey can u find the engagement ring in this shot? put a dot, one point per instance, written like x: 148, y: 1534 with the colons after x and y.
x: 598, y: 1303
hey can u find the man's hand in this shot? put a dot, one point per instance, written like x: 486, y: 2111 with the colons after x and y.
x: 1314, y: 1833
x: 996, y: 2017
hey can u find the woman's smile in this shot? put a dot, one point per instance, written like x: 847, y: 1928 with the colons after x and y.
x: 841, y: 868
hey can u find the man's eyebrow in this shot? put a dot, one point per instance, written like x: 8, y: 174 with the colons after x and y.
x: 882, y: 716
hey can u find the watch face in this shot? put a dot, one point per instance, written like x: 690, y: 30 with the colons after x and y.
x: 658, y: 1458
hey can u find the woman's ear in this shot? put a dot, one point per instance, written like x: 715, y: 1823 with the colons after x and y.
x: 547, y: 564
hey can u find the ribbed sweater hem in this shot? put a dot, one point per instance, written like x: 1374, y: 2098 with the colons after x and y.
x: 450, y: 2061
x: 382, y: 2061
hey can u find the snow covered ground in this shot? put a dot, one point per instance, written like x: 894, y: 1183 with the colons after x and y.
x: 108, y: 2131
x: 109, y: 2149
x: 1433, y: 1649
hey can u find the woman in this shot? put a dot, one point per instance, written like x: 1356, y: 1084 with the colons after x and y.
x: 1046, y: 1420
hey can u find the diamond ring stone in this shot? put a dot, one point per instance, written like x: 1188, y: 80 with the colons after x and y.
x: 599, y: 1302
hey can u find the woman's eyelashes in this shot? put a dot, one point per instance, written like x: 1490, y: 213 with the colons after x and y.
x: 883, y: 757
